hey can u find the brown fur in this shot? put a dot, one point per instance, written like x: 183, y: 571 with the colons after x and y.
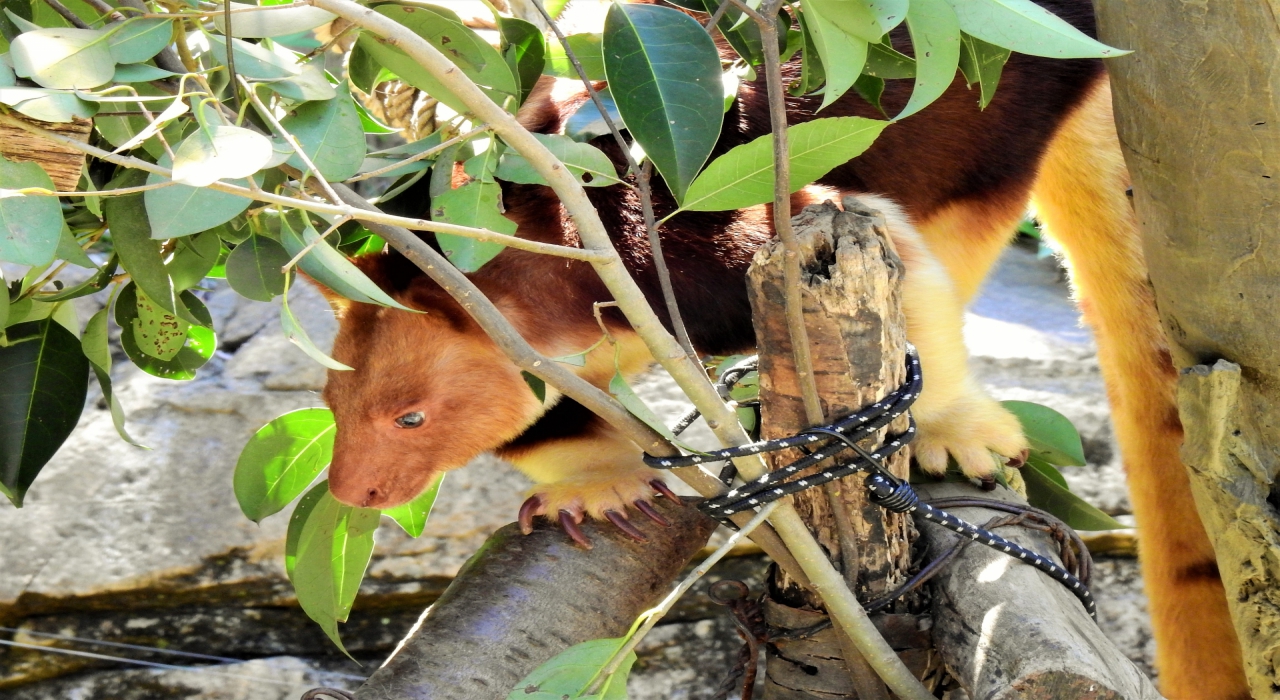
x: 963, y: 176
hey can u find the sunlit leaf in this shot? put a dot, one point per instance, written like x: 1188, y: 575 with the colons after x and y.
x: 587, y: 48
x: 413, y: 515
x: 331, y: 268
x: 843, y: 55
x: 180, y: 210
x: 44, y: 378
x: 47, y: 105
x: 282, y: 459
x: 474, y: 204
x: 1051, y: 434
x: 298, y: 336
x: 333, y: 549
x: 95, y: 345
x: 982, y: 63
x: 585, y: 162
x: 674, y: 98
x: 440, y: 27
x: 1044, y: 492
x: 136, y: 40
x: 220, y: 152
x: 198, y: 348
x: 139, y: 73
x: 30, y: 225
x: 935, y: 36
x: 865, y: 19
x: 525, y: 50
x: 886, y: 63
x: 155, y: 331
x: 254, y: 268
x: 254, y: 61
x: 743, y: 177
x: 311, y: 84
x: 569, y: 674
x: 330, y: 133
x: 1025, y: 27
x: 251, y: 23
x: 63, y: 58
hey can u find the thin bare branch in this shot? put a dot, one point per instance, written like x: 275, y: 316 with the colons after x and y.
x: 107, y: 10
x: 420, y: 156
x: 67, y: 14
x: 265, y: 112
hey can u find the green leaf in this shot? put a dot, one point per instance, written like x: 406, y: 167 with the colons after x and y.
x: 333, y: 549
x: 47, y: 105
x: 935, y: 35
x: 474, y: 204
x: 982, y: 63
x: 1051, y: 434
x: 864, y: 19
x: 220, y: 152
x: 842, y: 55
x: 331, y: 268
x: 44, y: 378
x: 63, y: 58
x: 139, y: 73
x: 297, y: 519
x: 743, y: 177
x: 585, y: 162
x: 884, y: 62
x: 141, y: 255
x: 587, y: 48
x: 311, y: 84
x: 389, y: 156
x: 155, y: 331
x: 525, y: 50
x: 180, y: 210
x: 193, y: 257
x: 282, y: 459
x: 96, y: 349
x: 536, y: 385
x: 30, y: 225
x: 136, y: 40
x: 298, y: 336
x: 569, y: 673
x: 413, y: 515
x: 4, y: 305
x: 254, y: 61
x: 198, y: 348
x: 1044, y: 492
x: 441, y: 28
x: 673, y: 104
x: 330, y: 133
x: 1025, y: 27
x: 744, y: 36
x: 94, y: 284
x: 254, y: 268
x: 627, y: 397
x: 587, y: 123
x: 250, y: 23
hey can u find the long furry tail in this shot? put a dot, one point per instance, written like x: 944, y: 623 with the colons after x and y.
x: 1080, y: 196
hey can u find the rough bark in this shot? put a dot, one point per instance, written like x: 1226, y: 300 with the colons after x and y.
x: 523, y: 599
x: 1007, y: 631
x: 1198, y: 114
x: 852, y: 304
x: 62, y: 163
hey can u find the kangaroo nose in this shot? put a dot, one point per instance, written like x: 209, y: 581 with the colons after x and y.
x: 373, y: 498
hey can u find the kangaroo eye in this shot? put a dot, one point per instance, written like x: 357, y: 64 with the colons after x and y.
x: 410, y: 420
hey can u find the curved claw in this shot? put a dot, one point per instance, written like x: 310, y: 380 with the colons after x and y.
x: 571, y: 529
x: 644, y: 507
x: 528, y: 509
x: 661, y: 487
x: 625, y: 525
x: 1018, y: 460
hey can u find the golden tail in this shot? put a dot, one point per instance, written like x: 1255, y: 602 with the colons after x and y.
x: 1080, y: 197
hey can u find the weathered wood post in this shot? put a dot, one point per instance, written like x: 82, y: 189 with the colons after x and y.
x: 853, y: 312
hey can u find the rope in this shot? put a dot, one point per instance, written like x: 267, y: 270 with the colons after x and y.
x: 885, y: 489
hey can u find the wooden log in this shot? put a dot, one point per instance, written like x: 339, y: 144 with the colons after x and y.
x: 523, y: 599
x: 1005, y: 630
x: 62, y: 163
x: 851, y: 293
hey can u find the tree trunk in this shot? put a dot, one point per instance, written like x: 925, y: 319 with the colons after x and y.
x: 852, y: 302
x: 62, y: 163
x: 1198, y: 113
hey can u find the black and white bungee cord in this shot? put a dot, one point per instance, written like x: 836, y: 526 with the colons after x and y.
x: 884, y: 489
